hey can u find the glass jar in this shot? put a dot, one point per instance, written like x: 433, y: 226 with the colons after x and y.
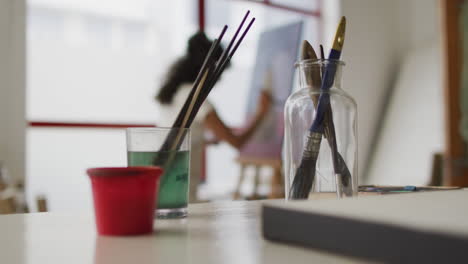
x: 320, y: 156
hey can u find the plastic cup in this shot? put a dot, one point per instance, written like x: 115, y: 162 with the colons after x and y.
x: 144, y: 149
x: 124, y: 199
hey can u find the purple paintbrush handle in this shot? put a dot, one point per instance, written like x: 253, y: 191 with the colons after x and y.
x: 324, y: 99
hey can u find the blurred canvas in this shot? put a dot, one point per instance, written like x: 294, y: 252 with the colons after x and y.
x: 274, y: 71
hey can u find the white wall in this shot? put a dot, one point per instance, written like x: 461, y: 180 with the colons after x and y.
x: 418, y: 23
x: 4, y: 35
x: 12, y: 86
x: 380, y: 35
x: 371, y: 55
x: 413, y: 127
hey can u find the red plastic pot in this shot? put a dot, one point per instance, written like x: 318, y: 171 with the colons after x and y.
x: 124, y: 199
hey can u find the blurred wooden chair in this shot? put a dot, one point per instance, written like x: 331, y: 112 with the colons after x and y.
x: 11, y: 201
x: 12, y: 195
x: 277, y: 183
x: 7, y: 204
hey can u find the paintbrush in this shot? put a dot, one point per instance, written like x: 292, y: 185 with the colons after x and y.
x: 343, y: 180
x: 313, y: 79
x: 212, y: 68
x: 207, y: 77
x: 339, y: 165
x: 305, y: 173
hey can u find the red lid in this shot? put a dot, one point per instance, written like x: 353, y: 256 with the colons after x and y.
x: 123, y: 171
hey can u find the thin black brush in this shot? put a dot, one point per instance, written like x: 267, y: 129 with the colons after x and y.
x: 219, y: 66
x: 208, y: 63
x: 322, y: 54
x: 209, y: 73
x: 206, y: 79
x: 305, y: 174
x: 206, y: 66
x: 339, y: 164
x: 181, y: 133
x: 228, y: 48
x: 218, y: 71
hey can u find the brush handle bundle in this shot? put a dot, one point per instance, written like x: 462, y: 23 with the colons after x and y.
x: 209, y: 74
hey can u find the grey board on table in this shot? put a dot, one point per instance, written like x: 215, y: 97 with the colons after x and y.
x: 429, y: 227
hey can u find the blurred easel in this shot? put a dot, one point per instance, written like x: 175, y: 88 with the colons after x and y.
x: 11, y: 200
x: 277, y: 184
x: 455, y: 156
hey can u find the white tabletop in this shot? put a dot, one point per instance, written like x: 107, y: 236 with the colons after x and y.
x: 225, y: 232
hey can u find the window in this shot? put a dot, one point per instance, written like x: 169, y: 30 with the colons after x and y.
x: 102, y: 61
x: 99, y: 62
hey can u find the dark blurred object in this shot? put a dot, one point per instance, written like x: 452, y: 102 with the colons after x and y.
x: 437, y: 169
x: 41, y: 203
